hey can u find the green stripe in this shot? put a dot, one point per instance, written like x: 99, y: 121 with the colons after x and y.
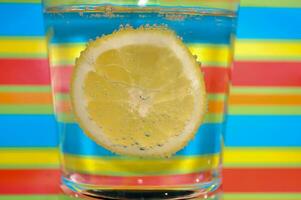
x: 19, y: 88
x: 25, y: 109
x: 30, y: 166
x: 65, y: 118
x: 268, y: 58
x: 23, y: 55
x: 216, y: 64
x: 36, y: 197
x: 244, y: 3
x: 216, y: 97
x: 259, y: 196
x: 266, y: 90
x: 214, y: 118
x: 210, y: 118
x: 61, y: 96
x: 212, y: 97
x: 262, y: 165
x: 271, y: 3
x: 20, y: 1
x: 22, y: 38
x: 264, y: 110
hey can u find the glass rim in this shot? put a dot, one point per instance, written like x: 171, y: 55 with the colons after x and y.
x: 230, y: 5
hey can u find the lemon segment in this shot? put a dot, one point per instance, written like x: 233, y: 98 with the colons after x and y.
x: 139, y: 92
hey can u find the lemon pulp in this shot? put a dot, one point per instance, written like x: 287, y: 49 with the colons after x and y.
x: 138, y: 92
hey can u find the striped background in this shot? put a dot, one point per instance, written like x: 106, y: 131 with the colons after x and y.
x: 263, y: 141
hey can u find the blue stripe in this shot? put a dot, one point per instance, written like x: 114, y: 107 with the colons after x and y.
x: 21, y: 19
x: 28, y: 131
x: 71, y: 27
x: 262, y: 131
x: 206, y: 141
x: 269, y: 23
x: 40, y: 130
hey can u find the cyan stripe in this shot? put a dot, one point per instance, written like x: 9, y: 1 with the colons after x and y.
x: 28, y: 131
x: 72, y: 27
x: 269, y: 23
x: 242, y: 130
x: 22, y: 19
x: 263, y: 131
x: 206, y: 141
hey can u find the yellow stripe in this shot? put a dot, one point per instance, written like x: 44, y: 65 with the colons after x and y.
x: 280, y: 50
x: 233, y: 156
x: 132, y: 166
x: 256, y: 156
x: 211, y: 54
x: 23, y: 46
x: 65, y: 54
x: 24, y: 157
x: 245, y: 49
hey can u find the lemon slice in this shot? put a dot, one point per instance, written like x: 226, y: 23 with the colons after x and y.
x: 139, y: 92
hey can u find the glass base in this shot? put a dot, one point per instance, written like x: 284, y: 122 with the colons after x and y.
x: 205, y: 190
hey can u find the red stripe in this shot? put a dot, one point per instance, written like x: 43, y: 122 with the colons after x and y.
x: 29, y: 181
x: 216, y: 79
x: 61, y: 77
x: 235, y: 180
x: 262, y: 180
x: 24, y: 71
x: 253, y: 73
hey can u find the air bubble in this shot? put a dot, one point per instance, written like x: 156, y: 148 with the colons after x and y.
x: 128, y: 26
x: 146, y: 134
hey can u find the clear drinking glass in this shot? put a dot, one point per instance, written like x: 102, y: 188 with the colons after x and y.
x: 206, y: 28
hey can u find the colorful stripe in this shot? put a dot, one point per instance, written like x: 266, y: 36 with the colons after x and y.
x: 256, y: 73
x: 35, y: 197
x: 262, y: 196
x: 28, y: 131
x: 242, y: 157
x: 265, y: 99
x: 244, y: 3
x: 263, y: 131
x: 25, y: 109
x: 25, y: 98
x: 209, y: 55
x: 283, y: 50
x: 205, y: 142
x: 262, y: 180
x: 38, y: 181
x: 225, y: 196
x: 265, y: 50
x: 23, y: 47
x: 266, y: 126
x: 23, y: 158
x: 30, y: 72
x: 119, y: 166
x: 265, y: 110
x: 25, y: 88
x: 269, y: 23
x: 216, y: 79
x: 235, y: 180
x: 243, y: 90
x: 18, y: 19
x: 262, y: 157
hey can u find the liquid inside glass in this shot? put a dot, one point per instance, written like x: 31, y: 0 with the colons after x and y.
x: 93, y: 170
